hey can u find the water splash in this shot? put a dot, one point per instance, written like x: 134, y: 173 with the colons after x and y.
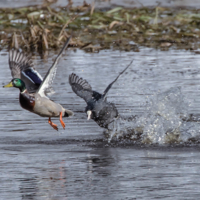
x: 165, y: 120
x: 163, y: 116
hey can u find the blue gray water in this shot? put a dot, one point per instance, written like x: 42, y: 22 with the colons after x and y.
x: 37, y: 162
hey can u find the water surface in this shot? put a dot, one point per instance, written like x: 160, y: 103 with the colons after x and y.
x: 78, y: 163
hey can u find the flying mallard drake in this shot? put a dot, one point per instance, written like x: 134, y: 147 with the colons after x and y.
x: 98, y: 109
x: 33, y: 87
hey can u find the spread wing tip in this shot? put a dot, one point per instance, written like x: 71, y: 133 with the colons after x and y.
x: 20, y: 59
x: 76, y: 80
x: 71, y: 78
x: 80, y: 87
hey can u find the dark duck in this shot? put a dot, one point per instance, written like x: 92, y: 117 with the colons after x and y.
x: 33, y: 87
x: 98, y: 108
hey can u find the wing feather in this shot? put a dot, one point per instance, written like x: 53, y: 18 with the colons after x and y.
x: 81, y: 87
x: 110, y: 85
x: 50, y: 75
x: 22, y: 67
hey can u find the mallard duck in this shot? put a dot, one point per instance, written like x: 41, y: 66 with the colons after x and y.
x: 98, y: 109
x: 33, y: 87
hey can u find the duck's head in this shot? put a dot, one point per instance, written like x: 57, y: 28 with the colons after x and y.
x: 18, y: 83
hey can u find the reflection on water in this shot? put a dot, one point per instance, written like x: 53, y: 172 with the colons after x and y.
x: 39, y: 163
x: 58, y: 172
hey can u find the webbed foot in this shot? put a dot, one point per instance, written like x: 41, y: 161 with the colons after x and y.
x: 52, y: 124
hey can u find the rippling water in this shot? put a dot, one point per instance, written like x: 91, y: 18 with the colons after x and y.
x: 37, y: 162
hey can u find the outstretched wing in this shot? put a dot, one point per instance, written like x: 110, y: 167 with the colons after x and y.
x: 81, y: 87
x: 50, y: 75
x: 21, y: 66
x: 110, y: 85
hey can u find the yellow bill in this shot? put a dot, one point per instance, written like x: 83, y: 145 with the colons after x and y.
x: 9, y: 85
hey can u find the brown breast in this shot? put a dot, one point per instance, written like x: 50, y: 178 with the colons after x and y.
x: 27, y: 101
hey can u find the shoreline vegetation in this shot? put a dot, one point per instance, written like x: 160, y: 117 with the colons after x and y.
x: 39, y: 28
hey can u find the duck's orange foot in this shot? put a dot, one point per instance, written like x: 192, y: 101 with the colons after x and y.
x: 61, y: 121
x: 52, y: 124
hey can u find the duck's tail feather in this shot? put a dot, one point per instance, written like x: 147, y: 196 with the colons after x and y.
x: 68, y: 113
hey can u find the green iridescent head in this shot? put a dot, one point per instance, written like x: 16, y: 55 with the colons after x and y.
x: 18, y: 83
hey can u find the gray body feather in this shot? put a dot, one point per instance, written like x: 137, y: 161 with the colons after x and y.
x: 104, y: 113
x: 47, y: 108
